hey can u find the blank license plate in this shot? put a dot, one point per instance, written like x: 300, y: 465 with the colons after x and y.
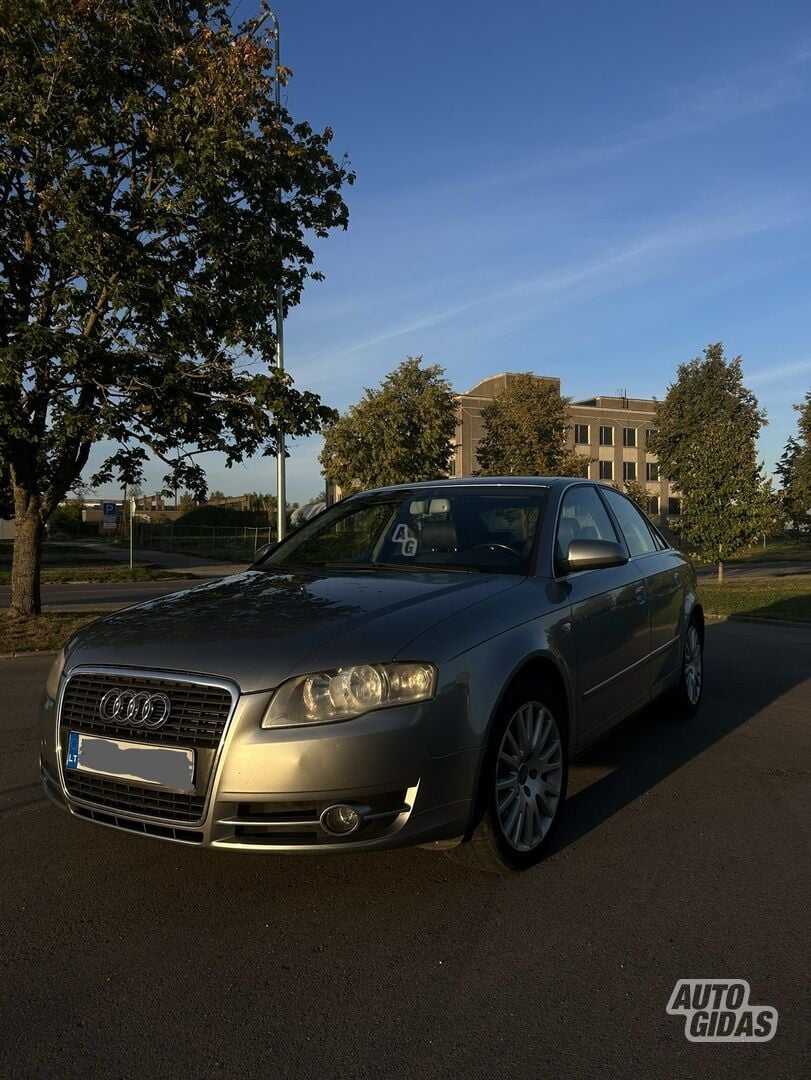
x: 160, y: 766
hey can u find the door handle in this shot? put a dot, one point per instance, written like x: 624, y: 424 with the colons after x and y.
x: 639, y: 593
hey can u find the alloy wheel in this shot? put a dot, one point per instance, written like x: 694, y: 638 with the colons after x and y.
x: 692, y: 665
x: 529, y: 775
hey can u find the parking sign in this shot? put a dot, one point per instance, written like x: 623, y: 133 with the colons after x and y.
x: 108, y: 515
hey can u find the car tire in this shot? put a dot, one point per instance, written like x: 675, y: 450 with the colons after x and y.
x: 689, y: 690
x: 522, y: 786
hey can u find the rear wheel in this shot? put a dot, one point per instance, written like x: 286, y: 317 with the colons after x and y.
x: 524, y: 785
x: 690, y: 688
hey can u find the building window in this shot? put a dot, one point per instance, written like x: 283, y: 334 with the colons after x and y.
x: 607, y: 469
x: 629, y: 436
x: 628, y: 471
x: 674, y: 506
x: 606, y: 436
x: 653, y: 505
x: 649, y: 433
x: 652, y: 471
x: 581, y: 434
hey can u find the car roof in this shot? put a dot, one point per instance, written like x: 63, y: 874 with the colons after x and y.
x: 480, y: 481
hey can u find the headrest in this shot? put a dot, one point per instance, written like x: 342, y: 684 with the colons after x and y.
x: 439, y: 506
x: 439, y: 535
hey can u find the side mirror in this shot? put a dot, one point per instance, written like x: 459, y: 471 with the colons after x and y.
x: 264, y: 550
x: 594, y: 555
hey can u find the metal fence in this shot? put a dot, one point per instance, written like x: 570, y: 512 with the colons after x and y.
x: 224, y: 542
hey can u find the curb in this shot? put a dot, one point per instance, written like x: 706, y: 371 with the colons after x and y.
x: 15, y: 655
x: 758, y: 620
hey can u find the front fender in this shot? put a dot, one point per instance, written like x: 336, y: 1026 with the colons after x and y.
x: 473, y: 683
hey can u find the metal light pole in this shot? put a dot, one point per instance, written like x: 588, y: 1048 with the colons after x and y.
x: 281, y: 481
x: 132, y: 516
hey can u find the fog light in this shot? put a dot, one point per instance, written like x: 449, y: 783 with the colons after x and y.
x: 340, y: 820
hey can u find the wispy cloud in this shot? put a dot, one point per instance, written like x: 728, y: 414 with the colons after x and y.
x: 696, y: 108
x: 779, y: 373
x: 489, y: 311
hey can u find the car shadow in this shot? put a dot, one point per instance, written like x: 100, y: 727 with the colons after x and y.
x: 656, y: 742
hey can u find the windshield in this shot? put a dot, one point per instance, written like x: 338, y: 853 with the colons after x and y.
x: 451, y: 529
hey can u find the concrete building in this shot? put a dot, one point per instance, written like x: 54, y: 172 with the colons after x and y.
x: 612, y: 432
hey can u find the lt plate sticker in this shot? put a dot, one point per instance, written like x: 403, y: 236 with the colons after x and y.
x: 72, y: 760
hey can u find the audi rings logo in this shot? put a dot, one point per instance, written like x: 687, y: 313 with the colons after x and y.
x: 135, y: 708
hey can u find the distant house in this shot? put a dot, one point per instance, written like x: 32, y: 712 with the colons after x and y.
x: 7, y: 529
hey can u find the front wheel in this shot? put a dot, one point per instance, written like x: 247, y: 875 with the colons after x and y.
x: 524, y: 786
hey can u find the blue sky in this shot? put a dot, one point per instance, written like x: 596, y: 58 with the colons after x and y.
x: 588, y: 190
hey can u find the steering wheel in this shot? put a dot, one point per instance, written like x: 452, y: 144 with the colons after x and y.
x: 499, y: 547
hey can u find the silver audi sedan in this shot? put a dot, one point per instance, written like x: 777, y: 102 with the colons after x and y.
x: 416, y: 665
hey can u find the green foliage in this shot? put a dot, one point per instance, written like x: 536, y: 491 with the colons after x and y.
x: 707, y: 427
x: 67, y: 519
x: 142, y: 241
x: 398, y: 434
x: 794, y: 470
x: 525, y: 432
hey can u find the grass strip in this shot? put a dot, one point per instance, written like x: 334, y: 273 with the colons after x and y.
x: 95, y: 574
x: 41, y: 633
x: 763, y: 598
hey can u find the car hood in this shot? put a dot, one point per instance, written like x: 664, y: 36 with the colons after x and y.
x: 259, y: 628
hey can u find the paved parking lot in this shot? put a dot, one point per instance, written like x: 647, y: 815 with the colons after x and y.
x: 684, y: 854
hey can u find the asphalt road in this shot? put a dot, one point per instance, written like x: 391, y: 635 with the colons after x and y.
x: 757, y: 569
x: 684, y: 854
x: 103, y: 596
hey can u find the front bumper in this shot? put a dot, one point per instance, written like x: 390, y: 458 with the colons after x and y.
x: 267, y: 788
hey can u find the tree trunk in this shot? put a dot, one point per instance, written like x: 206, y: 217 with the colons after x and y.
x: 26, y: 564
x: 720, y: 572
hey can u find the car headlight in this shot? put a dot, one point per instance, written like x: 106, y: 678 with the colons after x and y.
x: 339, y: 694
x: 54, y: 675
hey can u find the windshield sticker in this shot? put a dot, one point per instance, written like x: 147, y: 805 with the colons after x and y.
x: 403, y: 536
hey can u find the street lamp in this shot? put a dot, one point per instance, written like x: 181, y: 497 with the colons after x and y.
x: 281, y: 482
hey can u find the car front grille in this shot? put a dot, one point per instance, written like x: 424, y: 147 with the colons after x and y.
x: 198, y: 717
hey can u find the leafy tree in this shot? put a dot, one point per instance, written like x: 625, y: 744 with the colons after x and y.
x: 794, y: 469
x: 67, y: 518
x: 525, y: 432
x: 142, y: 240
x: 802, y: 485
x: 398, y: 434
x: 707, y: 428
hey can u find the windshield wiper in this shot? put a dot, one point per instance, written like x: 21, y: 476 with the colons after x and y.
x: 437, y: 568
x: 283, y: 568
